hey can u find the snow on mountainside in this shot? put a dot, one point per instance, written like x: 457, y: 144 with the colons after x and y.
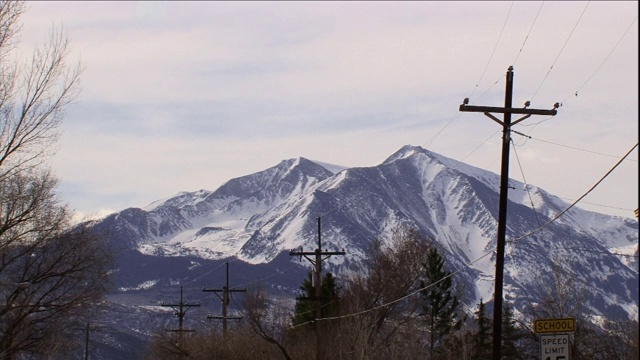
x: 260, y: 216
x: 217, y: 224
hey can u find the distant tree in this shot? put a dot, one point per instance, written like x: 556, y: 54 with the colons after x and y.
x: 482, y: 340
x: 511, y: 335
x: 619, y: 340
x: 305, y: 311
x: 439, y: 302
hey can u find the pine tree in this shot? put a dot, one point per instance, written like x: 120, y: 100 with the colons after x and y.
x: 306, y: 304
x: 511, y: 334
x: 482, y: 340
x: 439, y: 303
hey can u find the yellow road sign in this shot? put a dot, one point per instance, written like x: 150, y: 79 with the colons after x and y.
x: 554, y: 325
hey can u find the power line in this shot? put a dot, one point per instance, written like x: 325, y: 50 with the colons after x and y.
x: 494, y: 49
x: 410, y: 294
x: 524, y: 179
x: 578, y: 200
x: 529, y: 33
x: 571, y: 147
x: 603, y: 61
x: 560, y: 52
x: 574, y: 94
x: 479, y: 146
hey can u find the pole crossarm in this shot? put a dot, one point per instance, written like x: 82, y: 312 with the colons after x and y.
x: 217, y: 317
x: 322, y: 253
x: 504, y: 110
x: 223, y: 290
x: 179, y: 331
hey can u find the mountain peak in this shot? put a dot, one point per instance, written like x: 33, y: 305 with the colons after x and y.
x: 405, y: 152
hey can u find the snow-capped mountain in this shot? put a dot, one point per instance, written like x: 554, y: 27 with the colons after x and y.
x: 259, y: 217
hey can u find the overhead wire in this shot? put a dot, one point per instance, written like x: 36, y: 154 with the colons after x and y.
x: 482, y: 144
x: 526, y: 186
x: 391, y: 302
x: 516, y: 58
x: 560, y: 52
x: 578, y: 200
x: 501, y: 77
x: 208, y: 272
x: 528, y: 33
x: 595, y: 204
x: 624, y: 34
x: 277, y: 273
x: 574, y: 94
x: 494, y: 50
x: 571, y: 147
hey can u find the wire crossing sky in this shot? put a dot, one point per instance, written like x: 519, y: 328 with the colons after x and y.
x: 182, y: 96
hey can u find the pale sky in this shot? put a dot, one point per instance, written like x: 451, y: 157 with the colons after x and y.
x: 182, y: 96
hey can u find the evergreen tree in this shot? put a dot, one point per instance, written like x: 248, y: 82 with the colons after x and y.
x: 482, y: 340
x: 306, y: 303
x: 511, y: 335
x: 439, y: 303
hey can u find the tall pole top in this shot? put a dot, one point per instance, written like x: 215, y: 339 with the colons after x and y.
x: 319, y: 236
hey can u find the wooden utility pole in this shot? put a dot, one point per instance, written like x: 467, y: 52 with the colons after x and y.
x: 225, y: 301
x: 180, y: 311
x: 507, y: 110
x: 86, y: 341
x: 88, y: 329
x: 318, y: 253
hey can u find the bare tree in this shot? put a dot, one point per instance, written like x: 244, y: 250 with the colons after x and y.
x: 387, y: 323
x: 58, y: 280
x: 269, y: 321
x: 33, y: 94
x: 49, y: 273
x: 562, y: 295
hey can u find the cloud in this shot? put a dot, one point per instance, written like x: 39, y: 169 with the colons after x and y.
x: 185, y: 95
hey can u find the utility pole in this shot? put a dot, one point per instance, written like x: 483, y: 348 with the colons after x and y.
x: 317, y: 284
x: 507, y: 110
x: 225, y: 301
x: 86, y: 341
x: 87, y: 336
x: 180, y: 311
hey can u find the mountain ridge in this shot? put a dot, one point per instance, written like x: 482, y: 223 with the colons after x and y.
x: 257, y: 217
